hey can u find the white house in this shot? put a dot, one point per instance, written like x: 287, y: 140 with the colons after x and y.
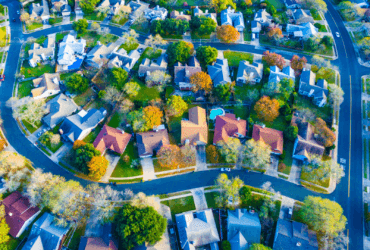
x: 317, y: 91
x: 71, y: 52
x: 157, y: 13
x: 230, y: 17
x: 39, y: 53
x: 199, y: 12
x: 45, y: 86
x: 304, y: 30
x: 120, y: 59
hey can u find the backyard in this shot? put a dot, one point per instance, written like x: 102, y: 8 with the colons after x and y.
x: 84, y: 98
x: 28, y: 71
x: 211, y: 199
x: 90, y: 138
x: 124, y: 166
x: 92, y: 37
x: 325, y: 112
x: 145, y: 94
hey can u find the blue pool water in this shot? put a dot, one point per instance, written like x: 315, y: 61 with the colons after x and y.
x: 216, y: 112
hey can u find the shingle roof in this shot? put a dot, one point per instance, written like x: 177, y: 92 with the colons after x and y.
x: 157, y: 64
x: 195, y: 129
x: 307, y: 84
x: 124, y: 60
x: 39, y: 10
x: 219, y: 72
x: 179, y: 15
x: 113, y: 139
x: 68, y: 48
x: 183, y: 73
x: 148, y: 142
x: 272, y: 137
x: 45, y: 83
x: 227, y: 126
x: 38, y: 52
x: 299, y: 13
x: 99, y: 54
x: 250, y: 71
x: 230, y: 17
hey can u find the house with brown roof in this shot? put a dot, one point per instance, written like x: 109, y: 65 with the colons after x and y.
x: 179, y: 15
x: 19, y: 213
x: 183, y: 72
x: 113, y: 139
x: 195, y: 130
x: 45, y: 86
x: 229, y: 126
x: 98, y: 238
x: 305, y: 143
x: 270, y: 136
x: 151, y: 141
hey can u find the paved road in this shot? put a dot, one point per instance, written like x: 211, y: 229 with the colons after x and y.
x: 348, y: 192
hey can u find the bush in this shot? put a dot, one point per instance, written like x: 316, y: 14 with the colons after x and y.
x: 281, y: 167
x: 288, y: 118
x: 51, y: 21
x: 282, y: 156
x: 225, y: 245
x: 212, y: 154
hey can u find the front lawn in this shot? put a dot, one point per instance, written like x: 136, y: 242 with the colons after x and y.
x: 55, y: 147
x: 123, y: 168
x: 211, y: 199
x: 180, y: 205
x: 120, y: 21
x: 288, y: 160
x: 316, y: 15
x: 55, y: 20
x: 24, y: 88
x: 28, y: 71
x: 76, y: 238
x: 34, y: 25
x: 235, y: 57
x: 90, y: 138
x: 327, y: 74
x: 310, y: 177
x: 92, y: 37
x: 195, y: 35
x: 31, y: 128
x: 95, y: 17
x: 2, y: 36
x: 60, y: 36
x: 140, y: 28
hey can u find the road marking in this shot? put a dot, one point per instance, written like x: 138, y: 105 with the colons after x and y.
x: 350, y: 135
x: 345, y: 50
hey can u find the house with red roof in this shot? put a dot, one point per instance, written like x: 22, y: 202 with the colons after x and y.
x: 19, y: 213
x: 272, y: 137
x: 113, y: 139
x: 229, y: 126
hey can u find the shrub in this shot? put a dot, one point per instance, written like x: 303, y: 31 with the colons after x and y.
x: 212, y: 154
x: 126, y: 158
x: 283, y: 155
x: 281, y: 167
x: 225, y: 245
x: 78, y: 143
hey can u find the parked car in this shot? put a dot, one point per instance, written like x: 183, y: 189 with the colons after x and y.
x: 222, y: 170
x: 18, y: 12
x: 228, y: 169
x: 140, y: 50
x: 337, y: 33
x: 2, y: 78
x: 14, y: 20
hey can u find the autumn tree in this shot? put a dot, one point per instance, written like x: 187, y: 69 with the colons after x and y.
x: 188, y: 156
x: 206, y: 55
x: 267, y: 109
x: 169, y: 156
x: 227, y: 34
x: 4, y: 228
x: 141, y: 200
x: 275, y: 32
x: 2, y: 144
x: 220, y: 5
x: 326, y: 135
x: 298, y: 63
x: 212, y: 154
x: 273, y: 59
x: 132, y: 88
x: 11, y: 163
x: 319, y: 5
x: 97, y: 167
x: 257, y: 154
x: 176, y: 106
x: 201, y: 81
x: 179, y: 52
x: 157, y: 79
x: 230, y: 149
x: 25, y: 17
x: 78, y: 143
x: 321, y: 171
x: 126, y: 106
x: 152, y: 116
x: 83, y: 155
x: 228, y: 188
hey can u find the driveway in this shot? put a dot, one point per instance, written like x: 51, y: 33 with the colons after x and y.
x: 201, y: 158
x: 286, y: 204
x: 295, y: 172
x: 199, y: 199
x: 113, y: 160
x: 66, y: 20
x: 148, y: 169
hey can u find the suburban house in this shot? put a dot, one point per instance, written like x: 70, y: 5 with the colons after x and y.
x: 113, y: 139
x: 157, y: 13
x: 114, y: 6
x: 249, y: 73
x: 182, y: 73
x: 256, y: 27
x: 78, y: 10
x: 219, y: 72
x: 40, y: 11
x: 59, y: 108
x: 98, y: 56
x: 99, y: 237
x: 197, y: 229
x: 148, y: 66
x: 229, y: 126
x: 305, y: 143
x: 293, y: 4
x: 199, y: 12
x: 46, y: 235
x: 276, y: 75
x: 61, y: 6
x: 137, y: 9
x: 270, y: 136
x: 243, y: 229
x: 19, y: 213
x: 195, y: 130
x: 120, y: 59
x: 261, y: 18
x: 71, y: 52
x: 230, y: 17
x: 38, y: 53
x: 180, y: 15
x: 303, y: 30
x: 151, y: 141
x: 360, y: 3
x: 307, y: 87
x: 45, y: 86
x: 78, y: 126
x: 302, y: 16
x: 293, y: 235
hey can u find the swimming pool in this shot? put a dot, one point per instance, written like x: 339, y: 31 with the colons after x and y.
x: 216, y: 112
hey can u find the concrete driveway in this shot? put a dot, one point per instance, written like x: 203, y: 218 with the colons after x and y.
x: 148, y: 169
x: 201, y: 158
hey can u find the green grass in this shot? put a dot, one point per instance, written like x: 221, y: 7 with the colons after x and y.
x: 315, y: 14
x: 94, y: 17
x: 28, y: 71
x: 327, y: 74
x: 145, y: 93
x: 90, y: 138
x: 276, y: 3
x: 157, y: 167
x: 196, y: 35
x: 180, y: 205
x: 140, y: 28
x: 92, y: 37
x: 163, y: 196
x: 121, y: 21
x: 127, y: 181
x: 12, y: 244
x: 314, y: 188
x: 76, y: 238
x: 325, y: 112
x: 180, y: 3
x: 130, y: 47
x: 24, y: 88
x: 288, y: 160
x: 64, y: 76
x: 307, y: 176
x: 30, y: 128
x: 169, y: 91
x: 54, y: 148
x: 368, y: 86
x: 55, y: 20
x: 279, y: 123
x: 147, y: 54
x: 365, y: 158
x: 247, y: 35
x: 45, y: 151
x: 115, y: 121
x: 124, y: 169
x: 235, y: 57
x: 81, y: 100
x: 211, y: 199
x: 60, y: 36
x: 34, y: 25
x: 172, y: 36
x: 41, y: 40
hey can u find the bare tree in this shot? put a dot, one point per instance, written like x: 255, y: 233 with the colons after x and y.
x: 140, y: 200
x: 155, y: 42
x: 130, y: 37
x: 113, y: 96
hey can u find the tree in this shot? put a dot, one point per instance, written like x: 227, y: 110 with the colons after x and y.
x: 201, y: 81
x: 112, y: 95
x: 169, y: 26
x: 212, y: 154
x: 137, y: 226
x: 207, y: 25
x: 257, y: 246
x: 223, y: 92
x: 97, y: 167
x: 335, y: 96
x: 55, y: 140
x: 348, y: 10
x: 230, y: 149
x: 257, y: 154
x: 31, y: 112
x: 78, y: 143
x: 275, y: 32
x: 176, y: 106
x: 83, y: 156
x: 323, y: 215
x: 328, y: 41
x: 228, y: 188
x: 291, y: 133
x: 132, y: 88
x: 227, y: 34
x: 77, y: 83
x: 137, y: 120
x: 245, y: 194
x: 140, y: 200
x: 326, y: 135
x: 118, y: 77
x: 157, y: 79
x: 169, y: 156
x: 130, y: 37
x: 88, y: 6
x: 220, y: 5
x: 319, y: 5
x: 4, y: 228
x: 25, y: 17
x: 155, y: 42
x: 152, y: 116
x: 126, y: 106
x: 206, y: 55
x: 267, y: 109
x: 179, y: 52
x: 188, y: 156
x: 225, y: 245
x: 80, y: 26
x: 298, y: 63
x: 273, y: 59
x: 320, y: 62
x: 95, y: 26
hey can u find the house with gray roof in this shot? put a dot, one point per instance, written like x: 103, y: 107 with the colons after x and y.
x: 147, y: 66
x: 318, y: 91
x: 249, y: 73
x: 157, y: 13
x: 256, y: 27
x: 243, y: 229
x: 303, y: 30
x: 40, y: 11
x: 182, y: 73
x: 230, y: 17
x: 293, y: 4
x: 113, y: 5
x: 61, y: 6
x: 263, y: 17
x: 302, y: 16
x: 293, y: 235
x: 200, y: 13
x: 39, y: 53
x: 59, y: 108
x: 78, y: 126
x: 137, y: 9
x: 197, y: 229
x: 276, y: 75
x: 219, y: 72
x: 98, y: 56
x: 120, y: 59
x: 45, y: 234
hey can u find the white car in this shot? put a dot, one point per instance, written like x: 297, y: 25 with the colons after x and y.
x: 337, y: 33
x: 222, y: 170
x: 18, y: 12
x: 228, y: 169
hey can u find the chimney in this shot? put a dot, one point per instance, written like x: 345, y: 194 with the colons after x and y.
x: 181, y: 13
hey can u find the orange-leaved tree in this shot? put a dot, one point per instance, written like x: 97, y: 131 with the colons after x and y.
x: 298, y: 63
x: 97, y: 167
x: 169, y: 156
x: 326, y: 135
x: 152, y: 116
x: 212, y: 154
x: 267, y: 109
x: 227, y: 34
x: 201, y: 81
x: 273, y: 59
x: 78, y: 143
x: 275, y: 32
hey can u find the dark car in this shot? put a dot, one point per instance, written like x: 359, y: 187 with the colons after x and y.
x: 2, y: 78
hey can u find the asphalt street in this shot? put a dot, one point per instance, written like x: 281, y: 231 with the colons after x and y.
x: 348, y: 193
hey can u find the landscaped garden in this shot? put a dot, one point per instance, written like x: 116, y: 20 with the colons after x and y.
x: 28, y: 71
x: 34, y: 25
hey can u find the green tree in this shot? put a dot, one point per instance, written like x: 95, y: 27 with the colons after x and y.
x: 223, y: 92
x: 225, y: 245
x: 77, y: 83
x: 206, y: 55
x: 230, y: 149
x: 257, y: 154
x: 4, y: 228
x: 176, y: 106
x: 291, y: 133
x: 137, y: 120
x: 83, y: 156
x: 328, y: 41
x: 132, y: 88
x: 257, y: 246
x: 228, y: 188
x: 88, y: 6
x: 137, y: 226
x: 118, y: 77
x: 207, y: 26
x: 245, y: 195
x: 179, y: 52
x: 80, y: 26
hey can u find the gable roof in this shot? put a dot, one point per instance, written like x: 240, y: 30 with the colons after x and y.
x: 299, y: 13
x: 39, y: 10
x: 124, y: 60
x: 113, y: 139
x: 151, y: 65
x: 179, y: 15
x: 45, y: 83
x: 219, y: 72
x: 148, y: 142
x: 59, y: 108
x: 195, y: 129
x: 250, y: 71
x: 183, y: 73
x: 294, y: 235
x: 230, y: 17
x: 262, y: 14
x: 18, y: 210
x: 272, y: 137
x: 99, y: 54
x: 68, y: 49
x: 98, y: 238
x: 307, y: 84
x: 227, y: 126
x: 38, y: 52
